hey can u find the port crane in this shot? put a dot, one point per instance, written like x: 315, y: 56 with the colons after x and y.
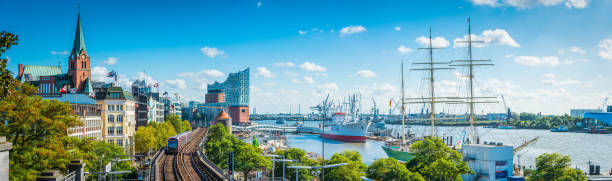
x: 324, y: 107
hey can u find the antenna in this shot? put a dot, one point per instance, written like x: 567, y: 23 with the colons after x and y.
x: 470, y: 64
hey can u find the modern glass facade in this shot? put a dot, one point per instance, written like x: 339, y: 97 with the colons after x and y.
x: 235, y: 88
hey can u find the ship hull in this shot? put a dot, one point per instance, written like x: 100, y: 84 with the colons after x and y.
x: 349, y: 132
x: 398, y: 155
x: 359, y: 139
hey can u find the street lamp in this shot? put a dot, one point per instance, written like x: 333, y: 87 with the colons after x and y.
x: 273, y: 163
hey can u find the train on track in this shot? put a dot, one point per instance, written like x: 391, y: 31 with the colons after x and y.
x: 177, y: 142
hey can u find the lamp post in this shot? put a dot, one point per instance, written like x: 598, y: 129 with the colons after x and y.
x: 273, y: 163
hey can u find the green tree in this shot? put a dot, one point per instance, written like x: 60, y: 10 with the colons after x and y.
x: 218, y: 144
x: 175, y: 120
x: 436, y: 161
x: 389, y: 169
x: 103, y: 152
x: 247, y: 158
x: 555, y: 167
x: 294, y: 154
x: 145, y: 139
x: 187, y: 125
x: 352, y: 171
x: 37, y: 129
x: 7, y: 82
x: 163, y: 131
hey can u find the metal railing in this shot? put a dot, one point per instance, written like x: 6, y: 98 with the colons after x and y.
x: 70, y: 177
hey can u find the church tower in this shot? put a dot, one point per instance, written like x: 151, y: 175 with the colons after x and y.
x: 78, y: 62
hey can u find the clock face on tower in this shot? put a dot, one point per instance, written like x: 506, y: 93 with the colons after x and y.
x: 82, y: 56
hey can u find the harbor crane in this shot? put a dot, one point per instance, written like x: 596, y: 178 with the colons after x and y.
x: 508, y: 113
x: 324, y: 107
x: 603, y: 105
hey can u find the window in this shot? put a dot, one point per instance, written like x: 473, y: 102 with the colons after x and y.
x: 110, y: 107
x: 242, y: 110
x: 110, y: 141
x: 111, y: 131
x: 120, y: 107
x: 119, y: 118
x: 111, y: 118
x: 120, y: 142
x: 120, y: 130
x: 115, y: 95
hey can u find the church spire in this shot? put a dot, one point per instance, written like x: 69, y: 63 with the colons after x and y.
x: 79, y: 39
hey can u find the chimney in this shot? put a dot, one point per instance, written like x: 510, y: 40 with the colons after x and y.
x: 20, y: 70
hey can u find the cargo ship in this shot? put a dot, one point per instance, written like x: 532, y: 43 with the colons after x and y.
x: 346, y: 126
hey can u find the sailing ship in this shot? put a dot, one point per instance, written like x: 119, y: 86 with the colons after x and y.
x: 401, y: 151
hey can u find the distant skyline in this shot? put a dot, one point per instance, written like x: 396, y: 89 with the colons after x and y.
x: 550, y: 55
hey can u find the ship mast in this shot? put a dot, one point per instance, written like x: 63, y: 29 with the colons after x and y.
x: 403, y: 109
x: 469, y: 63
x: 431, y: 68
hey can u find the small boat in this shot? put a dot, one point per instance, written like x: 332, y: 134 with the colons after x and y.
x: 559, y: 129
x: 505, y: 127
x: 281, y: 121
x: 598, y: 130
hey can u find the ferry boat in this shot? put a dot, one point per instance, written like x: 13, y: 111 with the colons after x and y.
x: 280, y: 121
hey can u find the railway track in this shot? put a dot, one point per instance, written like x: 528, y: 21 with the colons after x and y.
x: 187, y: 164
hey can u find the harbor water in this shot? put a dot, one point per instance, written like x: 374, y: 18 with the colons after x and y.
x: 581, y: 147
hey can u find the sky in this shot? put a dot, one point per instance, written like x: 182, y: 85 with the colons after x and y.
x: 550, y: 56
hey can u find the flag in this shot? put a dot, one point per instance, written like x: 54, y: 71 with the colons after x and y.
x: 156, y: 85
x: 389, y: 103
x: 92, y: 94
x: 165, y: 93
x: 111, y: 74
x: 64, y: 89
x: 73, y: 90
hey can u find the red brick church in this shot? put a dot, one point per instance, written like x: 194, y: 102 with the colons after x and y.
x: 50, y: 80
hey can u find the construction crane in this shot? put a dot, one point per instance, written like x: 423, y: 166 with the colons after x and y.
x: 603, y: 105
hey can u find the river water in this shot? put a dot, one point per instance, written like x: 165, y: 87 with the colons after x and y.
x: 581, y: 147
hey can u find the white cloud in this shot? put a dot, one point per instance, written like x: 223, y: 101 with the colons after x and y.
x: 605, y: 49
x: 352, y: 30
x: 310, y: 66
x: 292, y: 74
x: 579, y: 4
x: 436, y: 42
x: 65, y: 52
x: 284, y: 64
x: 305, y: 80
x: 213, y: 73
x: 111, y: 60
x: 270, y: 84
x: 144, y: 76
x: 577, y: 50
x: 537, y: 61
x: 524, y: 4
x: 264, y: 72
x: 397, y: 28
x: 365, y: 73
x: 259, y: 4
x: 402, y: 49
x: 177, y: 83
x: 491, y: 3
x: 212, y: 52
x: 492, y: 37
x: 302, y: 32
x: 99, y: 73
x: 327, y: 88
x: 552, y: 79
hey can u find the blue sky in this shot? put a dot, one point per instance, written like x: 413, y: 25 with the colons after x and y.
x: 550, y: 55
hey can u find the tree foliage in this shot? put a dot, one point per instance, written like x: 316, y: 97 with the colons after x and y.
x: 352, y: 171
x: 102, y: 153
x: 162, y: 131
x: 145, y: 139
x: 300, y: 156
x: 546, y: 122
x: 555, y: 167
x: 179, y: 125
x: 435, y: 161
x: 7, y: 82
x: 389, y: 169
x: 247, y: 157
